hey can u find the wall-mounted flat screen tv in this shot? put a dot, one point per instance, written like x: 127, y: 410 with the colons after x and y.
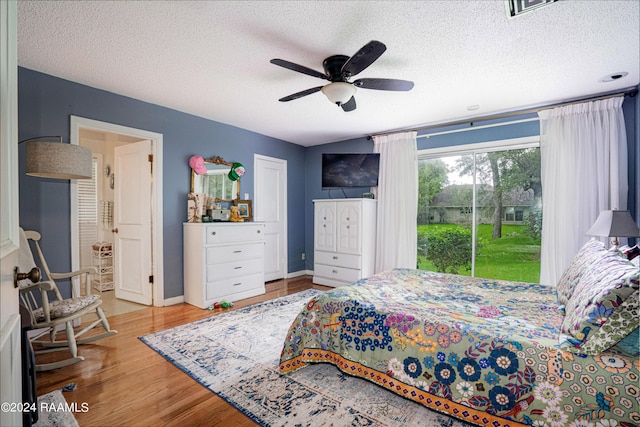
x: 350, y: 170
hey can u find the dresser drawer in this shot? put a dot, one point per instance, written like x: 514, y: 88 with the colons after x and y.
x: 234, y: 233
x: 234, y: 269
x: 337, y: 259
x: 336, y: 273
x: 233, y: 253
x: 221, y: 289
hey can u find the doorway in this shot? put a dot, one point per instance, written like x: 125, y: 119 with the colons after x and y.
x: 102, y: 138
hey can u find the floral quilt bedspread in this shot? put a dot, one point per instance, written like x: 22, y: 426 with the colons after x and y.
x: 483, y: 351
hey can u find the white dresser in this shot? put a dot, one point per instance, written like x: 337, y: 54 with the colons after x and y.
x: 344, y: 240
x: 222, y: 261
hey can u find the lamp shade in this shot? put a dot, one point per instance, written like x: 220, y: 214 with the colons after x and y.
x: 339, y: 92
x: 614, y: 223
x: 58, y: 160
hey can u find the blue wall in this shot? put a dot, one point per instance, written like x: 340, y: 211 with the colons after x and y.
x: 46, y: 102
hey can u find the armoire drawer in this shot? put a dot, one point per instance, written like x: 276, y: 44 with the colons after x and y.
x: 226, y: 288
x: 230, y: 234
x: 233, y: 253
x: 237, y: 268
x: 336, y: 273
x: 337, y: 259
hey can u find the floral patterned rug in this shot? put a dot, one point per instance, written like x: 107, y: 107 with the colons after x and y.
x: 236, y: 356
x: 53, y: 411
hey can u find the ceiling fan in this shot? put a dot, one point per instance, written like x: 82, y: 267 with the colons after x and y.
x: 338, y: 69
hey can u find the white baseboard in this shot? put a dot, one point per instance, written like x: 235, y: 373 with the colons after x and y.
x: 174, y: 300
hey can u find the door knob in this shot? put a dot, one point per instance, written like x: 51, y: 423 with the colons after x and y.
x: 33, y: 275
x: 114, y: 230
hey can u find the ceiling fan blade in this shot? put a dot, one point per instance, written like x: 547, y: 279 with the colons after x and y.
x: 350, y: 105
x: 363, y: 58
x: 384, y: 84
x: 299, y: 68
x: 300, y: 94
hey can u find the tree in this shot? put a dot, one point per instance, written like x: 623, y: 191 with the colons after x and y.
x: 505, y: 171
x: 448, y: 249
x: 432, y: 177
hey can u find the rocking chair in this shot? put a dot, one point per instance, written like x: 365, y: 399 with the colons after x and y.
x: 49, y: 316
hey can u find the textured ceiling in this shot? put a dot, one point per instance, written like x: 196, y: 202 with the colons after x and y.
x: 211, y: 58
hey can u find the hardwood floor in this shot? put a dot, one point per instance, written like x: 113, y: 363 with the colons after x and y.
x: 125, y: 383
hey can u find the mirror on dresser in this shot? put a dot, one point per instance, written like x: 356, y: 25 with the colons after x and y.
x: 215, y: 181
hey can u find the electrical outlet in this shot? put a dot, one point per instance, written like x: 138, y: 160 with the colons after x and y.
x: 304, y: 256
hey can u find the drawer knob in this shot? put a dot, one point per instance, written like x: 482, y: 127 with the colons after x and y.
x: 213, y: 233
x: 335, y: 257
x: 237, y: 284
x: 334, y: 271
x: 237, y: 268
x: 258, y: 231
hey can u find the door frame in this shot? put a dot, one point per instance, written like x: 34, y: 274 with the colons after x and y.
x: 157, y: 240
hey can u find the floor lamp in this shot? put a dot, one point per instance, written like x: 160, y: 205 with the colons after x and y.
x: 55, y: 159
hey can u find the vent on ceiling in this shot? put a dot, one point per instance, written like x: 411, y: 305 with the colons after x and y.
x: 518, y: 7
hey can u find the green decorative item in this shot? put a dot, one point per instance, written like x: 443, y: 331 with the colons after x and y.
x: 237, y: 170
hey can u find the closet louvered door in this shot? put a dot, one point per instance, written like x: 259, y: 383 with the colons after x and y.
x: 88, y: 213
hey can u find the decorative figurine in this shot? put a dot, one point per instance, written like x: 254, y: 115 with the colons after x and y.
x: 235, y: 215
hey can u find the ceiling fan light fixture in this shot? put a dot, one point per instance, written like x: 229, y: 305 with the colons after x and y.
x: 339, y: 92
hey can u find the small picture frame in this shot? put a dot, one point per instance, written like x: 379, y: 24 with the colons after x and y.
x: 244, y: 209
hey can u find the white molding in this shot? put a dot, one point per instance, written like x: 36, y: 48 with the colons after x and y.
x: 9, y: 188
x: 174, y: 301
x: 157, y: 213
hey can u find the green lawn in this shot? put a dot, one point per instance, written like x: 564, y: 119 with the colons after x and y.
x: 515, y: 256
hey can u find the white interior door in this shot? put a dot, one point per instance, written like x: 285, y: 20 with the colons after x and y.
x: 132, y: 222
x: 10, y: 351
x: 270, y: 207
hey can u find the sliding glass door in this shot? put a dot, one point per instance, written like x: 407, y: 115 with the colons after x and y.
x: 480, y: 213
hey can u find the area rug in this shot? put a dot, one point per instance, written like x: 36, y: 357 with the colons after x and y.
x: 236, y: 356
x: 54, y: 411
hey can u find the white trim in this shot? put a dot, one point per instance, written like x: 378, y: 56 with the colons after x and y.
x: 9, y: 188
x: 157, y: 213
x: 174, y: 300
x: 499, y: 145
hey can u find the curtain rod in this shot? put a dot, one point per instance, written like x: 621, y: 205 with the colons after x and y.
x: 630, y: 91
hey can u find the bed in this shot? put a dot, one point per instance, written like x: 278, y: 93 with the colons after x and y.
x: 489, y: 352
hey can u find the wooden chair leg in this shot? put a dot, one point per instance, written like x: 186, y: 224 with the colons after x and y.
x: 71, y: 339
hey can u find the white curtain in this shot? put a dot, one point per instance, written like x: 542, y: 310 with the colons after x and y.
x: 583, y: 150
x: 397, y: 195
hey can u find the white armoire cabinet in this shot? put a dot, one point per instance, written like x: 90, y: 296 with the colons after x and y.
x: 223, y: 261
x: 344, y: 240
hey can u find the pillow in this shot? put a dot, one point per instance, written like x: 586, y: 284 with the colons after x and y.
x: 586, y: 256
x: 606, y: 295
x: 631, y: 343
